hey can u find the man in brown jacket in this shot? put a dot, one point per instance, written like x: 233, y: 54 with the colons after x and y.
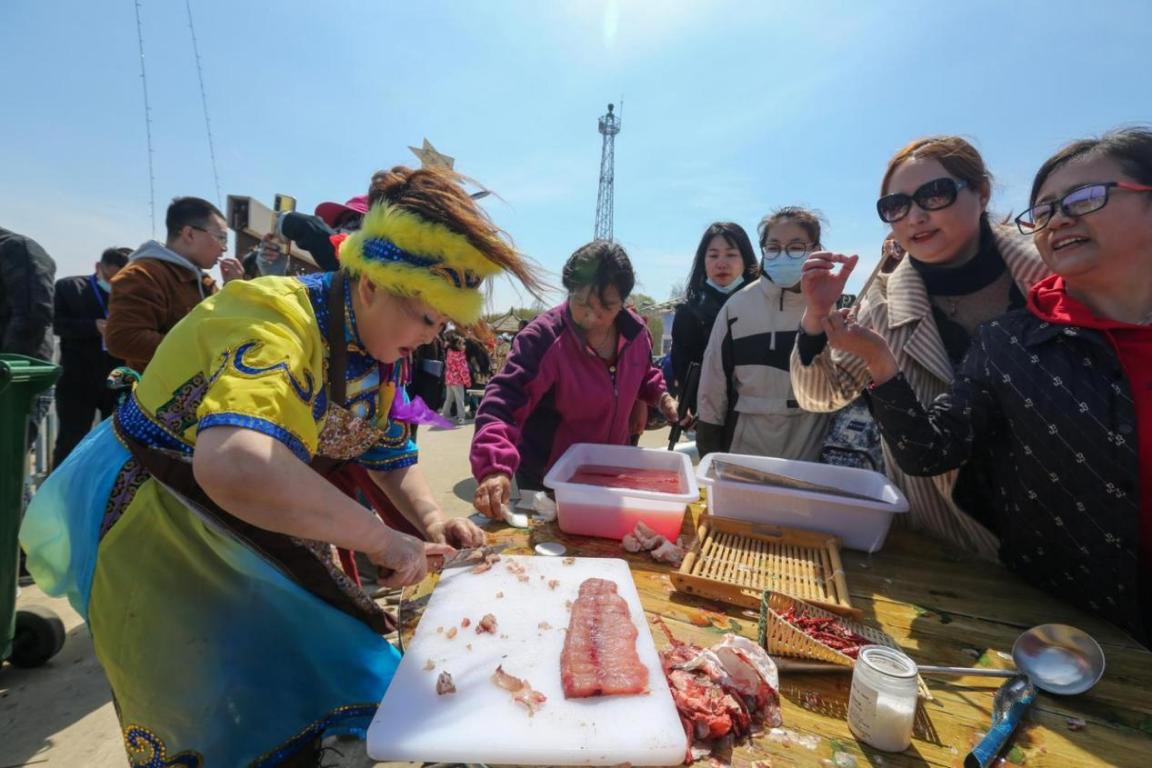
x: 162, y: 283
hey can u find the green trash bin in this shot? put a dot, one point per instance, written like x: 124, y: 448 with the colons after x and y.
x: 34, y: 636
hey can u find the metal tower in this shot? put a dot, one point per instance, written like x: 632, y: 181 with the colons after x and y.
x: 609, y: 127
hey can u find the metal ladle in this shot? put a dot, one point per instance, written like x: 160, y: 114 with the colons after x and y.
x: 1057, y: 658
x: 1054, y: 657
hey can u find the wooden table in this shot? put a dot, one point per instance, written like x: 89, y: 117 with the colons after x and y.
x: 941, y: 609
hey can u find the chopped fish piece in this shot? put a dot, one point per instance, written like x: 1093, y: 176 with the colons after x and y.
x: 647, y: 537
x: 521, y: 690
x: 599, y: 655
x: 667, y: 552
x: 506, y: 681
x: 444, y: 684
x: 531, y: 699
x: 644, y: 539
x: 490, y: 559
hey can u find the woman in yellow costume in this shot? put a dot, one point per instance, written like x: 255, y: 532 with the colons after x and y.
x: 193, y: 531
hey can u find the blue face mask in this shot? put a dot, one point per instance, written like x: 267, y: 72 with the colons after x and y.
x: 104, y: 284
x: 783, y: 271
x: 726, y: 289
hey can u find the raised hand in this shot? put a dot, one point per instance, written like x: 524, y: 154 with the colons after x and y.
x: 822, y: 285
x: 846, y: 335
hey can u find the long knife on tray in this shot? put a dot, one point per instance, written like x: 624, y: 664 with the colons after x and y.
x: 738, y: 473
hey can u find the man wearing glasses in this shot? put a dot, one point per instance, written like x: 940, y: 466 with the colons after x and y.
x: 162, y: 283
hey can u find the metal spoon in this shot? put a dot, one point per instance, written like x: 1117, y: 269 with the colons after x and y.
x: 1056, y: 657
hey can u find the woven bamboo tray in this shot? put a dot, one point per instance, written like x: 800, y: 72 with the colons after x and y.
x: 734, y: 561
x: 780, y: 638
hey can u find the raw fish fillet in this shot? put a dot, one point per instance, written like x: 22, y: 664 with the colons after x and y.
x: 659, y: 480
x: 599, y: 656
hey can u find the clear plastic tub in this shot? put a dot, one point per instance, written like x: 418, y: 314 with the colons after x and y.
x: 612, y: 513
x: 860, y: 523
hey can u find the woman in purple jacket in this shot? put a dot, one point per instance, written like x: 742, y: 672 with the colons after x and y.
x: 571, y: 377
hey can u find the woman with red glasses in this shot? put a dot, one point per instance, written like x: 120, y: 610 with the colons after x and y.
x: 961, y: 271
x: 1056, y: 400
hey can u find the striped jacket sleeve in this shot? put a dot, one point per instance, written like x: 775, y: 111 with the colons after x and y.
x: 712, y: 396
x: 834, y: 379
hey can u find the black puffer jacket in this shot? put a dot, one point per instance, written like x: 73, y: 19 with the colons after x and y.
x: 27, y: 280
x: 691, y: 327
x: 1042, y: 417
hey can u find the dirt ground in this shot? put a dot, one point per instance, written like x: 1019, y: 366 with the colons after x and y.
x: 61, y: 714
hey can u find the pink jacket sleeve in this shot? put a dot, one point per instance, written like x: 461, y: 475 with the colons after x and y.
x: 509, y: 399
x: 653, y: 386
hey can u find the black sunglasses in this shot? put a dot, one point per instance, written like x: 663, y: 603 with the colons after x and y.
x: 932, y: 196
x: 1081, y: 200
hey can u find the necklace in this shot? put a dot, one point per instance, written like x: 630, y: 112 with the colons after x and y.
x: 952, y: 305
x: 604, y: 348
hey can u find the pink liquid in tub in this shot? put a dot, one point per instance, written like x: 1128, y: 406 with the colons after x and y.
x: 617, y: 520
x: 658, y: 480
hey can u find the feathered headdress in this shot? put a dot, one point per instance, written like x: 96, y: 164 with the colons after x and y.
x: 410, y: 256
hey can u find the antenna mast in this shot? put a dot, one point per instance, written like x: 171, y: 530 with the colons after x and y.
x: 609, y: 127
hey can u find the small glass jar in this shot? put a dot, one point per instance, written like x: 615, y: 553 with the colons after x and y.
x: 882, y: 704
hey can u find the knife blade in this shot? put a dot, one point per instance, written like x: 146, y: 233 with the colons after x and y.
x: 473, y: 556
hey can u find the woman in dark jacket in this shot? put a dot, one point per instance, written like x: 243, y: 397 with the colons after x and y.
x: 1055, y: 401
x: 724, y: 263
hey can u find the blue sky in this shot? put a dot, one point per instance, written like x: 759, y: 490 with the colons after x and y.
x: 730, y: 109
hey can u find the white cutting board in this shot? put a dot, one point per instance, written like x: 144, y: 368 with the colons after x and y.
x: 480, y: 723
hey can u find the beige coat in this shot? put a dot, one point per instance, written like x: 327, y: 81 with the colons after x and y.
x: 900, y: 310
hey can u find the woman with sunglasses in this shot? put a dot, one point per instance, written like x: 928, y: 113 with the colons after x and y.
x: 724, y: 263
x: 1056, y: 400
x: 960, y: 271
x: 746, y: 404
x: 572, y: 376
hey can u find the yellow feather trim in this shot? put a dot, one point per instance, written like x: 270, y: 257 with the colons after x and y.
x: 426, y: 240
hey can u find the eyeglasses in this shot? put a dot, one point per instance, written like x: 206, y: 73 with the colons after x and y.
x: 1081, y: 200
x: 794, y: 250
x: 932, y: 196
x: 220, y: 237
